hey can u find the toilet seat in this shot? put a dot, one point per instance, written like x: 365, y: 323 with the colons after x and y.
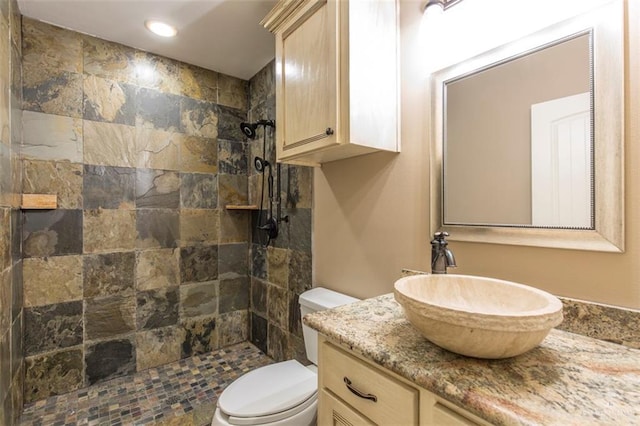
x: 269, y: 394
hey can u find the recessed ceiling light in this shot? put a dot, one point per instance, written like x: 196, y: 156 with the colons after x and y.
x: 160, y: 28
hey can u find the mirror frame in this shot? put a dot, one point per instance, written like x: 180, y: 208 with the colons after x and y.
x: 606, y: 24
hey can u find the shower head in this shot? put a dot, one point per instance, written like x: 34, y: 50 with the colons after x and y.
x: 260, y: 164
x: 249, y: 129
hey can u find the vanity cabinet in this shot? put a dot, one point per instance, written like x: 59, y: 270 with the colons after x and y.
x: 336, y: 78
x: 353, y: 391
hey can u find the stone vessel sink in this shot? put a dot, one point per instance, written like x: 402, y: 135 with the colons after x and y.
x: 476, y: 316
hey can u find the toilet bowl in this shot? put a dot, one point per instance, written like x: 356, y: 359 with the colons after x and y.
x: 284, y: 393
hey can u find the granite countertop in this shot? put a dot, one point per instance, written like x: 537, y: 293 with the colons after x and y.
x: 568, y: 380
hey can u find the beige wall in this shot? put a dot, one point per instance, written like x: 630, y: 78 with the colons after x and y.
x: 371, y: 213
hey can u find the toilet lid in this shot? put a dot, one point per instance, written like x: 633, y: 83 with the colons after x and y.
x: 269, y: 390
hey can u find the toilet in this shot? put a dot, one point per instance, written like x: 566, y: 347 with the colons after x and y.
x: 285, y: 393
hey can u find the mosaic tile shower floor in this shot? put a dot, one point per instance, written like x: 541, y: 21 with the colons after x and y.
x: 182, y: 393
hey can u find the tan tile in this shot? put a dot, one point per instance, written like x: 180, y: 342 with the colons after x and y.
x: 199, y: 226
x: 278, y: 266
x: 109, y: 230
x: 109, y: 144
x: 232, y: 189
x: 51, y: 48
x: 49, y: 177
x: 108, y: 100
x: 199, y: 154
x: 158, y: 347
x: 109, y: 60
x: 234, y: 226
x: 51, y: 137
x: 50, y: 280
x: 199, y: 83
x: 232, y: 92
x: 158, y: 72
x: 158, y: 149
x: 157, y: 269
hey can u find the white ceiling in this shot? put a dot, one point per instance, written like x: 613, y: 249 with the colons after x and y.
x: 221, y: 35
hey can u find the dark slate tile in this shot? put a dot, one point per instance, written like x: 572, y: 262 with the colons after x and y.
x: 157, y: 189
x: 17, y: 291
x: 157, y: 228
x: 278, y: 343
x: 233, y: 327
x: 258, y: 261
x: 53, y: 373
x: 158, y: 110
x: 201, y: 336
x: 108, y: 187
x: 278, y: 306
x: 199, y: 118
x: 109, y: 274
x: 198, y: 264
x: 300, y: 230
x: 52, y: 232
x: 259, y: 332
x: 295, y: 316
x: 108, y: 360
x: 5, y: 301
x: 297, y: 186
x: 157, y: 308
x: 262, y: 84
x: 60, y: 94
x: 5, y: 173
x: 16, y: 233
x: 300, y: 272
x: 109, y: 316
x: 234, y: 295
x: 109, y: 101
x: 232, y: 157
x: 283, y: 240
x: 233, y: 260
x: 17, y: 345
x: 199, y: 191
x: 52, y: 327
x: 229, y: 120
x: 259, y: 296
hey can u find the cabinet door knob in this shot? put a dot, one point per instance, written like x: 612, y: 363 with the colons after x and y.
x: 329, y: 131
x: 359, y: 393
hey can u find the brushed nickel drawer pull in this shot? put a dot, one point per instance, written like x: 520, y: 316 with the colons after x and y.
x: 357, y: 392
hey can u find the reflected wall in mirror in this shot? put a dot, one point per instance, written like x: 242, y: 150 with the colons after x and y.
x: 528, y: 139
x: 502, y: 174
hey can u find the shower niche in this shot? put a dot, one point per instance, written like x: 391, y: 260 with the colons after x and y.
x: 336, y: 79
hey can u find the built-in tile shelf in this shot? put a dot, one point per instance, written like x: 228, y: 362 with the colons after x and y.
x: 39, y: 201
x: 241, y: 207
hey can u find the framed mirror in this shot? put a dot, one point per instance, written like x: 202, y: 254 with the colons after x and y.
x: 528, y: 139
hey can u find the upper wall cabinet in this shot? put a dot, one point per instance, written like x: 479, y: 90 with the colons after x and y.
x: 336, y: 78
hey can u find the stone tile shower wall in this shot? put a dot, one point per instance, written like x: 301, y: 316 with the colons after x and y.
x: 281, y: 271
x: 140, y: 265
x: 11, y: 314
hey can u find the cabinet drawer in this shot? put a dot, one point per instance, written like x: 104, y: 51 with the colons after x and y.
x: 382, y: 399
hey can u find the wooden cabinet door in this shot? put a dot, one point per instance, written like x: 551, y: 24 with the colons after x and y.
x: 307, y: 73
x: 334, y: 412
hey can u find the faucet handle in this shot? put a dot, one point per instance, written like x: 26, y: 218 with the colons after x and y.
x: 440, y: 236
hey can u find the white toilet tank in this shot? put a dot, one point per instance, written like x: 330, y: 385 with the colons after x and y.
x: 318, y: 299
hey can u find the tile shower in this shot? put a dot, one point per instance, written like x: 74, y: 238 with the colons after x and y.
x: 141, y: 265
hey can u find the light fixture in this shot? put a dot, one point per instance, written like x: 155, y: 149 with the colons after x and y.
x: 443, y: 4
x: 160, y: 28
